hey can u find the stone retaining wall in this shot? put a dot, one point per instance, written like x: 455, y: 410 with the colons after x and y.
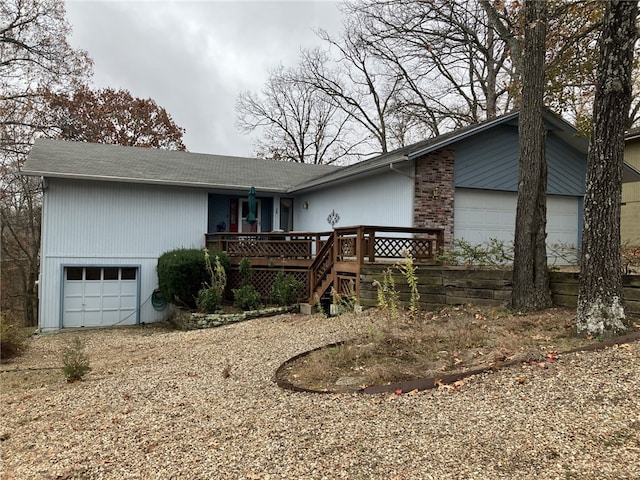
x: 193, y: 321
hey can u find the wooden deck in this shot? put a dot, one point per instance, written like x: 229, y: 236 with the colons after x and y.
x: 328, y: 259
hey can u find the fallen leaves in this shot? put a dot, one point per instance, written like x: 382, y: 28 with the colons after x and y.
x: 449, y: 386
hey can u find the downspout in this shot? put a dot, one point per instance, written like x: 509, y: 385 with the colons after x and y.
x: 400, y: 171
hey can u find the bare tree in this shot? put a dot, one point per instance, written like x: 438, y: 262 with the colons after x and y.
x: 456, y: 68
x: 360, y: 86
x: 299, y: 123
x: 530, y: 275
x: 34, y: 53
x: 600, y: 298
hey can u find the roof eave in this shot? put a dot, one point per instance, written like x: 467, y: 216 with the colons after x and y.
x: 146, y: 181
x: 313, y: 184
x: 457, y: 138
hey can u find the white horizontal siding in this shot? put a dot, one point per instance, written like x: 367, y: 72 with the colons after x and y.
x: 384, y: 199
x: 108, y: 224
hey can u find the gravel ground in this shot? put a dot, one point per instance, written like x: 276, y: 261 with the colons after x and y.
x: 158, y: 406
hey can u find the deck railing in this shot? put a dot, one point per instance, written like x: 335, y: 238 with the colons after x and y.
x: 345, y: 250
x: 271, y: 245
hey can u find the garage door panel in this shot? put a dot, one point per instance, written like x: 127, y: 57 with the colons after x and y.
x: 92, y: 303
x: 128, y: 302
x: 110, y: 317
x: 111, y: 302
x: 73, y: 318
x: 93, y: 320
x: 110, y: 287
x: 93, y: 287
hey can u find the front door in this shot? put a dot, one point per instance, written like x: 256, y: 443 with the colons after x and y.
x: 286, y: 214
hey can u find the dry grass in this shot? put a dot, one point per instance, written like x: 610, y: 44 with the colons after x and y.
x: 448, y: 340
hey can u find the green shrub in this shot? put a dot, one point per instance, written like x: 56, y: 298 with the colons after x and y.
x: 246, y: 271
x: 345, y: 302
x: 388, y: 297
x: 491, y: 253
x: 13, y: 337
x: 408, y: 270
x: 209, y: 300
x: 182, y: 274
x: 210, y: 297
x: 75, y: 362
x: 285, y: 289
x: 246, y: 298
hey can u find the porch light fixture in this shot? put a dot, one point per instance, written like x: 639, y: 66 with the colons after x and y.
x: 305, y: 205
x: 436, y: 192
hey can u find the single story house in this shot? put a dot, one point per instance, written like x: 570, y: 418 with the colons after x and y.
x: 630, y: 210
x: 110, y: 211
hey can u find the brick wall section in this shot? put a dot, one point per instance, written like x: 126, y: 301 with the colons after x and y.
x: 434, y: 178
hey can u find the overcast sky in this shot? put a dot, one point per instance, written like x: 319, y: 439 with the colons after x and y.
x: 194, y: 58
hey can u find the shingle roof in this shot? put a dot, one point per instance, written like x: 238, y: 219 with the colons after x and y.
x: 58, y: 158
x: 145, y: 165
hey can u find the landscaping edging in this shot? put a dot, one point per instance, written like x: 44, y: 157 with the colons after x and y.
x: 427, y: 383
x: 195, y: 321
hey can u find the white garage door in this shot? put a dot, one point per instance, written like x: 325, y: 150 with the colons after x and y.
x: 481, y: 215
x: 99, y: 296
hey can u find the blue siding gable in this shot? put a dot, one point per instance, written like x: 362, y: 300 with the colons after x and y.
x: 567, y: 168
x: 489, y: 160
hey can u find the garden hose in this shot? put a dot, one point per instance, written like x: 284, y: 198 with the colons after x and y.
x: 157, y: 300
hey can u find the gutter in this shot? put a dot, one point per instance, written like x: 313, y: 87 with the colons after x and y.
x: 104, y: 178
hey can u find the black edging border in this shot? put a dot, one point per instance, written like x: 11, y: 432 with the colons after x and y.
x: 427, y: 383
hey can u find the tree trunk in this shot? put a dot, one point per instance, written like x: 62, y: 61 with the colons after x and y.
x: 600, y: 303
x: 530, y: 275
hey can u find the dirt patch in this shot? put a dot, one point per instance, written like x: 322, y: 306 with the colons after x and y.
x: 443, y: 346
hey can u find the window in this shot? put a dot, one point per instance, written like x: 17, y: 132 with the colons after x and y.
x: 101, y: 273
x: 129, y: 273
x: 93, y: 273
x: 111, y: 273
x: 74, y: 273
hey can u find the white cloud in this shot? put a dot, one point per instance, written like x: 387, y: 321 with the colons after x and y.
x: 194, y: 58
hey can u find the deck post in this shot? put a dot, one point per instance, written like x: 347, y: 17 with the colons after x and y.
x: 334, y: 272
x: 360, y: 245
x: 440, y: 243
x: 371, y: 246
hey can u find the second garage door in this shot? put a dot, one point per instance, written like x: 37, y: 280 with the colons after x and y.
x: 481, y: 215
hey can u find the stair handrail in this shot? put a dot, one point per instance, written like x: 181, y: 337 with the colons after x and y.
x: 325, y: 253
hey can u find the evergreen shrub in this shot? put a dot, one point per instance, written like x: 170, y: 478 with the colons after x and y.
x: 182, y: 273
x: 285, y: 289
